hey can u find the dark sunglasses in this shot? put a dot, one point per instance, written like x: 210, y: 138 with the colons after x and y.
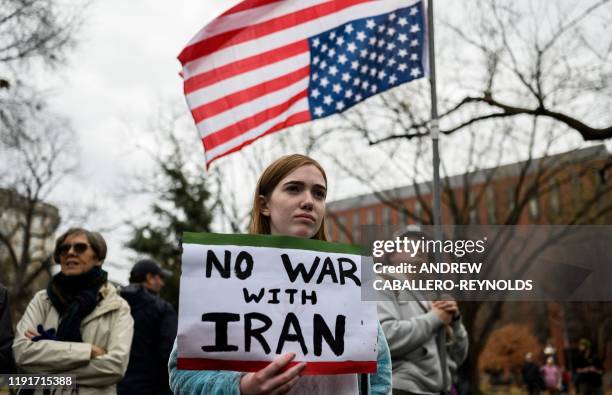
x: 78, y: 248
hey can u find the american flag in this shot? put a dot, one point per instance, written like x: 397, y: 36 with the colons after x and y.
x: 265, y: 65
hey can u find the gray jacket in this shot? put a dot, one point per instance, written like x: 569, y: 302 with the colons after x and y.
x: 411, y: 334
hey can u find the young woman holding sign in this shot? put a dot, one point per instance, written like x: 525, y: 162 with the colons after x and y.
x: 289, y: 200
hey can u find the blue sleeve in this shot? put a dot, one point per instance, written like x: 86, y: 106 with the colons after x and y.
x: 380, y: 383
x: 204, y: 382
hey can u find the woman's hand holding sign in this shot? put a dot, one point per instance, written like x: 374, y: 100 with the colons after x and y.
x: 272, y: 379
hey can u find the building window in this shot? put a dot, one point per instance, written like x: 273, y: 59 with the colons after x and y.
x: 342, y: 229
x: 602, y: 176
x: 511, y: 192
x: 356, y: 234
x: 473, y: 208
x: 371, y: 217
x: 418, y: 212
x: 37, y: 223
x: 491, y: 205
x: 534, y: 207
x: 386, y: 216
x: 577, y: 187
x: 555, y: 197
x: 403, y: 215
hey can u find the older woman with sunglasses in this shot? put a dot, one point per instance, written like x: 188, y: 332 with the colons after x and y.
x: 79, y: 325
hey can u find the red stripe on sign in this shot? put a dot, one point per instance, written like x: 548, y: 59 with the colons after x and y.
x: 295, y: 119
x: 246, y: 95
x: 247, y: 5
x: 312, y: 368
x: 207, y: 78
x: 232, y: 37
x: 226, y: 134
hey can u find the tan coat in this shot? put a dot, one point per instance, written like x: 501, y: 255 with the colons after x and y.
x: 109, y: 326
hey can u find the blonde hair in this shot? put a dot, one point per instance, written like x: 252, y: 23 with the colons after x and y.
x: 270, y: 178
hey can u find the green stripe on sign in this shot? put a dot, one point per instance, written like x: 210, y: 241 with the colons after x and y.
x: 295, y: 243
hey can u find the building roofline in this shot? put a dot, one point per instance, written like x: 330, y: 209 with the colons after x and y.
x: 512, y: 169
x: 17, y: 200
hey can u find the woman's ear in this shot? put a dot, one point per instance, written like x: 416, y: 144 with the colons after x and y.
x: 263, y: 206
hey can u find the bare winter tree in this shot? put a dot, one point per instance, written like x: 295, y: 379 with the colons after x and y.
x: 32, y: 34
x: 515, y: 81
x: 36, y: 31
x: 37, y: 148
x: 37, y: 153
x: 477, y: 188
x: 549, y: 60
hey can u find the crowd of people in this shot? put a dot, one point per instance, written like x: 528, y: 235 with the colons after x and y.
x: 123, y: 341
x: 553, y: 379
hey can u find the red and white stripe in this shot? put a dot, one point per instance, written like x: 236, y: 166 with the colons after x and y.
x: 246, y: 73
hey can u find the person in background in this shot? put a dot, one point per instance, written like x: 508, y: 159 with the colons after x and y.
x: 589, y: 370
x: 412, y: 327
x: 289, y: 200
x: 531, y: 375
x: 155, y: 323
x: 79, y: 325
x: 551, y: 374
x: 7, y: 364
x: 566, y: 379
x: 549, y: 350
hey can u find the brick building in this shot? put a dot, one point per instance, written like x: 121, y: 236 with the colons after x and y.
x: 25, y: 225
x: 567, y: 188
x: 562, y: 184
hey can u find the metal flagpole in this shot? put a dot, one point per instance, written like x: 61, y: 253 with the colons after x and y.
x: 434, y: 129
x: 437, y: 211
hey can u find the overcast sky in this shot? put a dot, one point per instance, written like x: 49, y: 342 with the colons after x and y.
x: 124, y: 66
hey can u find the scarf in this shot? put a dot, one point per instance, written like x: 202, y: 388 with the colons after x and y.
x: 74, y: 297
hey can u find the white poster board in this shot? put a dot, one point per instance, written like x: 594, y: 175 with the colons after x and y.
x: 246, y: 299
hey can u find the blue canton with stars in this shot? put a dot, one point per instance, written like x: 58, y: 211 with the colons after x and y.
x: 364, y: 57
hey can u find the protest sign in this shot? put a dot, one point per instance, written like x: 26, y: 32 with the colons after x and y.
x: 246, y: 299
